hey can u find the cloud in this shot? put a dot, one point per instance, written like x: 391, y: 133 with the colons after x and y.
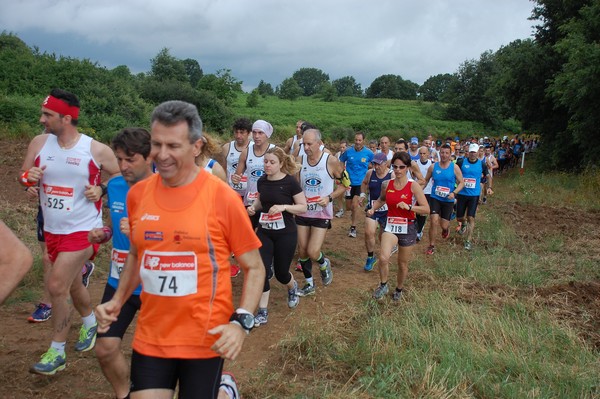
x: 270, y: 39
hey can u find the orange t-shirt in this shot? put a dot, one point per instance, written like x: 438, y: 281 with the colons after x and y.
x: 184, y: 237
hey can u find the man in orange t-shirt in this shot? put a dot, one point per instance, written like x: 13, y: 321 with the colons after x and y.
x: 184, y: 224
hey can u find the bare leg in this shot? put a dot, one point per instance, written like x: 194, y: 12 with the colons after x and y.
x: 15, y: 261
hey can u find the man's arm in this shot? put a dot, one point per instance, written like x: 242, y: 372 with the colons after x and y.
x: 416, y: 173
x: 288, y: 145
x: 28, y: 169
x: 364, y: 187
x: 241, y: 168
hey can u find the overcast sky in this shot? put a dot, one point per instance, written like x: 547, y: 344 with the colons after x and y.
x: 270, y: 39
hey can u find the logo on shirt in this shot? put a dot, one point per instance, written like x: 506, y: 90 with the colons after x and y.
x: 73, y: 161
x: 312, y: 182
x: 153, y: 235
x: 147, y: 216
x: 257, y: 173
x: 50, y: 158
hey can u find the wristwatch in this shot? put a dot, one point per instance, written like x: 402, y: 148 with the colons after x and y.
x: 245, y: 320
x: 330, y: 198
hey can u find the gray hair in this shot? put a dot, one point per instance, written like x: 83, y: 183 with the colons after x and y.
x: 317, y: 133
x: 171, y: 113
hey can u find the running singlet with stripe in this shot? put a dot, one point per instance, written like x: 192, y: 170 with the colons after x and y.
x: 117, y: 189
x: 472, y: 177
x: 233, y: 157
x: 316, y: 182
x: 443, y: 182
x: 375, y: 190
x: 68, y: 171
x: 424, y: 167
x: 184, y: 237
x: 255, y: 168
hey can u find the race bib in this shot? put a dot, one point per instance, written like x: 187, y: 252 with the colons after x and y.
x: 251, y: 197
x: 170, y: 274
x: 59, y: 198
x: 384, y: 208
x: 442, y: 192
x: 396, y: 225
x: 117, y: 261
x: 312, y: 204
x: 272, y: 222
x: 348, y: 191
x: 242, y: 185
x: 470, y: 183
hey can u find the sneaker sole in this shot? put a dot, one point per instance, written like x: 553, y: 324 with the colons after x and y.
x: 305, y: 295
x: 56, y: 370
x: 89, y: 348
x: 32, y: 320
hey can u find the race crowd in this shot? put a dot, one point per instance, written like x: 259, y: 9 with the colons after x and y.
x: 182, y: 225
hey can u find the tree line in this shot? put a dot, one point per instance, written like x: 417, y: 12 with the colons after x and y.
x: 546, y: 85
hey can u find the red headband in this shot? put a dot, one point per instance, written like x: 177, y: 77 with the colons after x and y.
x: 60, y: 106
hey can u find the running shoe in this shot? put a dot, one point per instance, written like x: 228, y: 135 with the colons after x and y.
x: 445, y: 233
x: 261, y: 318
x: 229, y: 384
x: 87, y: 338
x: 468, y: 245
x: 41, y: 313
x: 463, y: 228
x: 371, y: 261
x: 50, y: 363
x: 298, y: 266
x: 381, y: 291
x: 419, y: 236
x: 484, y: 200
x: 326, y: 273
x: 293, y: 298
x: 430, y: 250
x: 235, y: 270
x: 339, y: 213
x: 88, y: 269
x: 397, y: 295
x: 453, y: 215
x: 352, y: 232
x: 394, y: 249
x: 307, y: 290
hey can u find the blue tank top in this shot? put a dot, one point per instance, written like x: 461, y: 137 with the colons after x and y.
x: 375, y: 190
x: 472, y: 177
x: 443, y: 182
x: 357, y: 163
x: 117, y: 189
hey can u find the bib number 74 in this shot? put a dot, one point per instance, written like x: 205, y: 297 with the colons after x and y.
x: 170, y: 274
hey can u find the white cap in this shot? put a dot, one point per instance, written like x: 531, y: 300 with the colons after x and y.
x: 473, y: 148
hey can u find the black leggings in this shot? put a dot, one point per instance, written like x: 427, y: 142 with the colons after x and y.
x: 277, y: 249
x: 198, y: 378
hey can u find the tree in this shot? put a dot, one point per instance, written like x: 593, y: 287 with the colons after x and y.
x: 222, y: 84
x: 310, y: 79
x: 165, y: 67
x: 435, y: 88
x: 327, y: 92
x: 289, y: 89
x: 347, y: 87
x: 252, y: 100
x: 265, y: 89
x: 193, y: 71
x: 392, y: 86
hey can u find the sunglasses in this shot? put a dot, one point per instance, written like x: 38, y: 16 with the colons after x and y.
x: 401, y: 167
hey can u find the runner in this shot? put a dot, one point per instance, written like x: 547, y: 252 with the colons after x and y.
x: 372, y: 183
x: 132, y: 148
x: 403, y: 199
x: 317, y: 175
x: 251, y: 162
x: 492, y: 165
x: 424, y: 163
x: 290, y: 143
x: 339, y: 202
x: 15, y: 261
x: 472, y: 170
x: 279, y: 197
x: 384, y: 144
x: 413, y: 150
x: 184, y: 225
x: 357, y: 159
x: 445, y: 175
x: 67, y: 165
x: 205, y: 160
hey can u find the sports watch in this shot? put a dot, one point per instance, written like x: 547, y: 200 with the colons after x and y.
x: 245, y: 320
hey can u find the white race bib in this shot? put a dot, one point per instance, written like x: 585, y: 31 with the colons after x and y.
x: 396, y: 225
x: 272, y: 222
x: 312, y: 204
x: 470, y: 183
x: 171, y: 274
x: 348, y: 191
x: 59, y: 198
x: 442, y: 192
x: 117, y: 261
x: 242, y: 185
x: 252, y: 197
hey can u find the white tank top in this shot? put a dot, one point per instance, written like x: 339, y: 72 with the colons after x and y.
x: 255, y: 168
x: 302, y: 153
x: 233, y: 157
x: 68, y: 171
x: 317, y: 182
x: 423, y: 169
